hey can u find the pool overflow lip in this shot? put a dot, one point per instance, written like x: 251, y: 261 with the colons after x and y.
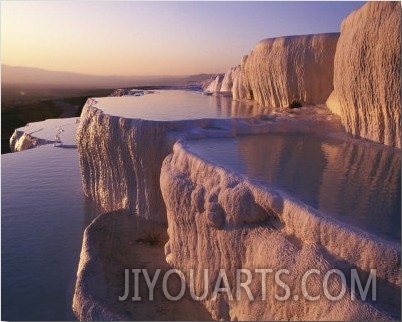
x: 220, y: 128
x: 185, y: 130
x: 178, y: 132
x: 214, y: 128
x: 227, y: 153
x: 284, y: 206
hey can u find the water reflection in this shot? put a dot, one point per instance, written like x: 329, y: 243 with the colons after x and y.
x: 226, y: 108
x: 364, y: 186
x: 358, y: 184
x: 177, y: 105
x: 43, y: 216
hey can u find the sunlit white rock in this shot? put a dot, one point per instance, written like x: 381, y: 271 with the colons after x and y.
x: 281, y: 70
x: 219, y: 220
x: 367, y: 75
x: 60, y: 132
x: 121, y: 157
x: 227, y: 82
x: 215, y: 85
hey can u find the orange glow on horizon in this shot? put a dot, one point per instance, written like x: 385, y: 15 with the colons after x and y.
x: 150, y: 38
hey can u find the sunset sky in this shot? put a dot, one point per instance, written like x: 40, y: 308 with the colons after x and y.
x: 152, y: 38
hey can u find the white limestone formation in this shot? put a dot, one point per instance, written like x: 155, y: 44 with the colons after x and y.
x: 215, y: 85
x: 282, y: 70
x: 238, y: 90
x: 21, y: 141
x: 219, y: 220
x: 120, y: 161
x: 367, y: 73
x: 117, y: 241
x: 60, y: 132
x: 227, y: 82
x: 121, y: 158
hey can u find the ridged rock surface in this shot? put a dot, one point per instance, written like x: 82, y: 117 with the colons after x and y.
x: 239, y: 90
x: 367, y: 79
x: 120, y: 161
x: 61, y: 132
x: 227, y: 82
x: 121, y: 158
x: 215, y: 85
x: 217, y: 220
x: 282, y: 70
x: 112, y: 243
x: 21, y: 141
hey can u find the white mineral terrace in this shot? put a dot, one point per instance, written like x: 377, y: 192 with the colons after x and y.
x: 60, y: 132
x: 145, y: 164
x: 359, y: 184
x: 216, y: 170
x: 219, y: 219
x: 168, y: 105
x: 239, y: 186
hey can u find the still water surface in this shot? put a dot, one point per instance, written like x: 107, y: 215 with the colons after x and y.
x: 169, y: 105
x: 43, y: 217
x: 356, y: 184
x: 44, y: 211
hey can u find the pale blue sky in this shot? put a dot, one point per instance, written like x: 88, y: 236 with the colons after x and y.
x: 152, y: 38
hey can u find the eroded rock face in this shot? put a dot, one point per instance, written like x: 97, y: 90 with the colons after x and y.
x: 60, y: 132
x: 218, y: 220
x: 282, y: 70
x: 367, y: 70
x: 238, y: 87
x: 120, y: 162
x: 227, y: 82
x: 215, y: 85
x: 113, y: 243
x: 21, y: 141
x: 121, y: 158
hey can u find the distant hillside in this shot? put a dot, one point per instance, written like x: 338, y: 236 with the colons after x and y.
x: 21, y: 84
x: 54, y: 79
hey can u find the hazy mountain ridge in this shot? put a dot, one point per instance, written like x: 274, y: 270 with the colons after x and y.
x: 25, y: 84
x: 40, y: 77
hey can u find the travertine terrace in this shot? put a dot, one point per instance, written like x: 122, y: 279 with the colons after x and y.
x: 217, y: 219
x: 367, y: 73
x: 282, y: 70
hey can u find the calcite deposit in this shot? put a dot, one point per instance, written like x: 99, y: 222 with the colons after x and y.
x: 218, y: 219
x: 367, y: 73
x: 283, y: 70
